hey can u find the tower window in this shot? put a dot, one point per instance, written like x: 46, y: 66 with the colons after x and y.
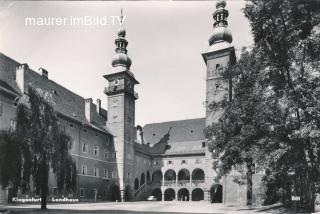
x: 203, y: 144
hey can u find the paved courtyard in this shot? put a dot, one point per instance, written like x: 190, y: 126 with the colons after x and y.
x: 145, y: 207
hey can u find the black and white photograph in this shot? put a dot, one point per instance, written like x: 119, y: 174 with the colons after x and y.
x: 160, y: 107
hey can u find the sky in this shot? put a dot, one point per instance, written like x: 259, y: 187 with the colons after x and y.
x: 166, y: 39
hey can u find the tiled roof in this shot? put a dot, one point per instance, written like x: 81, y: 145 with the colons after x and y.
x: 174, y: 137
x: 66, y: 102
x: 181, y: 131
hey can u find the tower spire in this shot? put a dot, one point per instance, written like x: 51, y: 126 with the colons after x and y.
x: 220, y: 31
x: 121, y: 58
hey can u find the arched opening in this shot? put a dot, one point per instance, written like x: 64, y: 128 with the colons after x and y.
x: 183, y: 177
x: 127, y: 193
x: 197, y: 176
x: 169, y: 194
x: 136, y: 184
x: 170, y: 177
x: 197, y: 194
x: 157, y: 177
x: 115, y: 193
x: 157, y: 193
x: 148, y: 177
x: 142, y: 179
x: 183, y: 194
x: 216, y: 193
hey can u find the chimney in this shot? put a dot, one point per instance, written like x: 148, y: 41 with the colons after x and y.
x: 88, y: 109
x: 20, y: 76
x: 44, y: 73
x: 98, y: 106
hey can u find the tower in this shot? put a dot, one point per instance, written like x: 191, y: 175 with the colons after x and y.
x: 121, y: 110
x: 220, y: 53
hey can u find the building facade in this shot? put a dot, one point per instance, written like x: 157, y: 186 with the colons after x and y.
x: 119, y: 161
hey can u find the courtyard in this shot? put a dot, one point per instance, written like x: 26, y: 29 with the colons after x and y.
x: 145, y: 207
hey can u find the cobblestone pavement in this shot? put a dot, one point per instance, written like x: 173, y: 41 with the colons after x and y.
x: 145, y: 207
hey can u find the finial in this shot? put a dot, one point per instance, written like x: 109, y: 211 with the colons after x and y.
x: 121, y: 17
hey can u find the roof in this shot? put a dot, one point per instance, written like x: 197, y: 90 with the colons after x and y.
x: 66, y: 102
x: 179, y: 131
x: 174, y: 137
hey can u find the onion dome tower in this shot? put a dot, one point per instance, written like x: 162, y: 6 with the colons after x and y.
x: 120, y: 58
x: 121, y: 114
x: 219, y: 54
x: 220, y: 31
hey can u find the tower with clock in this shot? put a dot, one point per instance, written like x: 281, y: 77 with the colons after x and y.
x: 121, y: 112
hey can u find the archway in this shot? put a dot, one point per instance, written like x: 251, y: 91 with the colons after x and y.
x: 148, y: 177
x: 169, y: 194
x: 183, y: 176
x: 136, y: 184
x: 197, y: 194
x: 216, y: 193
x: 127, y: 193
x: 142, y: 179
x: 183, y: 194
x: 170, y: 176
x: 157, y: 177
x: 115, y: 193
x: 198, y: 176
x: 157, y: 193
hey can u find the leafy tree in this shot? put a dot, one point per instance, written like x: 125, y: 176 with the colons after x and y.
x: 39, y: 144
x: 273, y: 119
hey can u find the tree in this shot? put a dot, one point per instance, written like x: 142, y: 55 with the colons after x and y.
x: 273, y: 118
x: 41, y: 144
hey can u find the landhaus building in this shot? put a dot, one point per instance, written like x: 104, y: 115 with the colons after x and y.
x: 117, y: 160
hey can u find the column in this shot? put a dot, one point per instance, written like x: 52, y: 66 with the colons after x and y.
x: 162, y: 195
x: 176, y: 180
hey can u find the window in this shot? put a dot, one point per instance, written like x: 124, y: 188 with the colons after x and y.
x: 114, y: 174
x: 84, y: 170
x: 73, y: 146
x: 183, y: 162
x: 54, y: 190
x: 81, y: 192
x: 107, y: 141
x: 96, y: 150
x: 106, y: 155
x: 96, y: 172
x: 85, y: 148
x: 115, y: 103
x: 105, y: 173
x: 71, y: 125
x: 170, y: 162
x: 203, y: 144
x: 113, y: 155
x: 128, y: 175
x: 13, y: 125
x: 1, y: 108
x: 217, y: 66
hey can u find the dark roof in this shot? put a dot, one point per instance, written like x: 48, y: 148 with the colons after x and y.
x: 179, y: 131
x: 174, y: 137
x: 66, y: 102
